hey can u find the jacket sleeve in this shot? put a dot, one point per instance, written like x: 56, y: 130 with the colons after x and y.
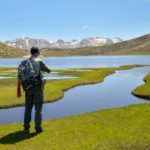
x: 44, y: 67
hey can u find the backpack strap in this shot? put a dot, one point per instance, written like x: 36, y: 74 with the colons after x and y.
x: 31, y: 59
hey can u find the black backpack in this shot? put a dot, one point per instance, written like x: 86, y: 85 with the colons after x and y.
x: 27, y: 76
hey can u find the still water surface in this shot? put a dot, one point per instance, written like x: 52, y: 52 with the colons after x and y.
x: 83, y: 61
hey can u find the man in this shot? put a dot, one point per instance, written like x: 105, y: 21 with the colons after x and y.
x: 34, y: 96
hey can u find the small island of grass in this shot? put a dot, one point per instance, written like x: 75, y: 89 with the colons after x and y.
x: 143, y: 91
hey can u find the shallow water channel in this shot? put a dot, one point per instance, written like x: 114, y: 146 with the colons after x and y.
x: 115, y: 91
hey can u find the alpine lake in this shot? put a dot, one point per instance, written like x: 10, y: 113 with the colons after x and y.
x: 114, y: 91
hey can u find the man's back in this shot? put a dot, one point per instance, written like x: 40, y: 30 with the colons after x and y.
x: 34, y: 96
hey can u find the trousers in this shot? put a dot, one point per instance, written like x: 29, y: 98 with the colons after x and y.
x: 33, y: 96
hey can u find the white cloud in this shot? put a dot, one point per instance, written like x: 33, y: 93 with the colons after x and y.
x: 85, y: 27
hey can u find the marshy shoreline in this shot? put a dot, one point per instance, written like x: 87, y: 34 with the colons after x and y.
x: 115, y: 128
x: 54, y: 89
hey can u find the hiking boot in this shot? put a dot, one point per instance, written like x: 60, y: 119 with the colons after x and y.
x: 26, y: 130
x: 39, y: 130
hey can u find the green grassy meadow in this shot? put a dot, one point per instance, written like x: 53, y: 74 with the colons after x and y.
x: 125, y: 128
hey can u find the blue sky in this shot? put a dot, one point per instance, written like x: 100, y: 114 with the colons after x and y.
x: 74, y: 19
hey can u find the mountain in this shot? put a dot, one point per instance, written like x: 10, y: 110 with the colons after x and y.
x: 8, y: 51
x: 62, y: 44
x: 98, y: 41
x: 136, y: 46
x: 27, y: 43
x: 139, y: 45
x: 116, y: 40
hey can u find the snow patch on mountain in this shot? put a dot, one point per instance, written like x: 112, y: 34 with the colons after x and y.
x: 27, y: 42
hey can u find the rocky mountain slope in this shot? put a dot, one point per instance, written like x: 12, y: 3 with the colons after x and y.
x: 136, y: 46
x: 140, y: 45
x: 27, y: 43
x: 8, y: 51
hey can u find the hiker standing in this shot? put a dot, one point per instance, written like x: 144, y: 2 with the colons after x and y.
x: 33, y: 87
